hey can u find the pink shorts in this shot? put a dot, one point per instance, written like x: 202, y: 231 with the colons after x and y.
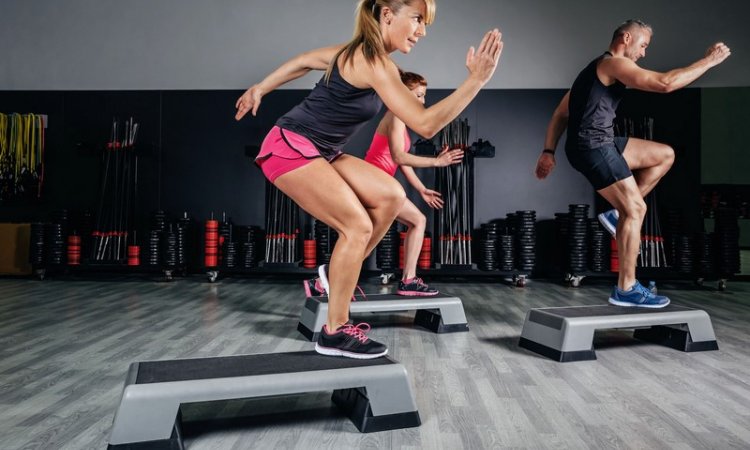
x: 283, y: 151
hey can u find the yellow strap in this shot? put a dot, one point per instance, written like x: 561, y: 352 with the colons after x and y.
x: 16, y: 142
x: 3, y: 136
x: 31, y: 143
x: 22, y: 147
x: 39, y: 128
x: 25, y: 152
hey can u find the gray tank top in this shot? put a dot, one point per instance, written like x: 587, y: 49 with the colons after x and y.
x: 592, y: 107
x: 332, y: 113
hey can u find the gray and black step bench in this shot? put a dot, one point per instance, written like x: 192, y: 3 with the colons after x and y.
x: 374, y: 393
x: 442, y: 313
x: 566, y: 334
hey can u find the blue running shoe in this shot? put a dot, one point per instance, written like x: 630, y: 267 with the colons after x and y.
x: 638, y: 296
x: 609, y: 219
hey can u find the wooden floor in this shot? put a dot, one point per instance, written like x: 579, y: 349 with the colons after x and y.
x: 65, y: 347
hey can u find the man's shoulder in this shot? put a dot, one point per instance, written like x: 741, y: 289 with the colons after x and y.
x: 616, y: 63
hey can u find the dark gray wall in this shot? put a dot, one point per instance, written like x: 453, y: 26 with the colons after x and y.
x: 229, y: 44
x: 193, y: 152
x: 725, y: 135
x: 515, y: 121
x: 203, y: 154
x: 79, y: 125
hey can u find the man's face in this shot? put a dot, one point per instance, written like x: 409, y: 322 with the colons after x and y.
x: 637, y: 41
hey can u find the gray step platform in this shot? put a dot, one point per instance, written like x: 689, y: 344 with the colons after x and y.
x: 442, y: 313
x: 567, y: 334
x: 374, y: 393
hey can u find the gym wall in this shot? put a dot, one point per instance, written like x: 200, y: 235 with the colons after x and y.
x: 725, y: 136
x: 193, y: 152
x: 195, y: 44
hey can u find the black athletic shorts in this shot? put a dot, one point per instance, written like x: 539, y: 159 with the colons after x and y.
x: 603, y: 166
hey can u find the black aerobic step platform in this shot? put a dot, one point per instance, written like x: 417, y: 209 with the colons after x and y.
x: 374, y: 393
x: 566, y: 334
x: 441, y: 313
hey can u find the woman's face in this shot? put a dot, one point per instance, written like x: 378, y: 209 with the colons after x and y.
x: 402, y: 31
x: 420, y: 92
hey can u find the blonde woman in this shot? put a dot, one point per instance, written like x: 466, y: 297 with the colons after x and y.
x: 302, y: 155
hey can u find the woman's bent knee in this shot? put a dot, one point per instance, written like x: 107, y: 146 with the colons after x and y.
x: 396, y: 197
x: 358, y: 231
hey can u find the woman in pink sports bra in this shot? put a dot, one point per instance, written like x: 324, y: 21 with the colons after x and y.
x: 388, y: 151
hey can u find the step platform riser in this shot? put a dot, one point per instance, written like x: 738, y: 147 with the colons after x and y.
x: 375, y: 394
x: 440, y: 314
x: 567, y: 334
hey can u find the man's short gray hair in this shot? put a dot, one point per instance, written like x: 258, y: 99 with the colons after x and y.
x: 629, y: 25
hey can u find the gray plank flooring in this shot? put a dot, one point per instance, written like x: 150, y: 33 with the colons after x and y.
x: 65, y: 346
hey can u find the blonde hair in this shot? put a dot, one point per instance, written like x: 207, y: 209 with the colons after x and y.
x: 367, y: 29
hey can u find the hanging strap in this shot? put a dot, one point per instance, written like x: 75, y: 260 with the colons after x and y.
x: 30, y: 142
x: 22, y: 147
x: 3, y: 136
x: 42, y: 127
x: 16, y: 143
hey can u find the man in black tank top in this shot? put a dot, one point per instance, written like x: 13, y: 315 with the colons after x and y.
x: 622, y: 170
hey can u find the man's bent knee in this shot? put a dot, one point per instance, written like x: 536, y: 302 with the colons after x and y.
x: 634, y: 208
x: 668, y: 156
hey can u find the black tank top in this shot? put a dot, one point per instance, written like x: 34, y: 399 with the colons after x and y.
x: 332, y: 113
x: 592, y: 107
